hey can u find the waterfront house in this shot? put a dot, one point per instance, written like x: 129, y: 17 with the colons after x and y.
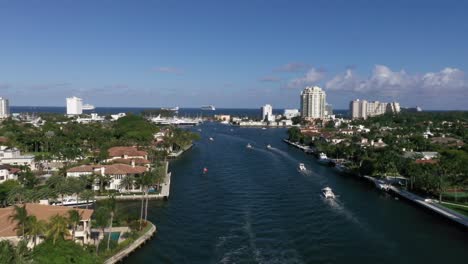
x: 9, y: 232
x: 115, y: 173
x: 127, y: 155
x: 8, y: 173
x: 12, y: 156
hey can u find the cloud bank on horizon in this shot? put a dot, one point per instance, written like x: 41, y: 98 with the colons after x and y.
x: 384, y: 82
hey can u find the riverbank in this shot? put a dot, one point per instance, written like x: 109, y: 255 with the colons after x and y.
x: 425, y: 203
x: 119, y: 256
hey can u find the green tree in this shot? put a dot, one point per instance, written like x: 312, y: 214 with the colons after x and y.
x: 20, y: 215
x: 58, y: 228
x: 87, y: 195
x: 101, y: 217
x: 35, y: 228
x: 74, y: 218
x: 7, y: 252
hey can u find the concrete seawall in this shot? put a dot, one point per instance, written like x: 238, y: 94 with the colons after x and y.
x: 132, y: 247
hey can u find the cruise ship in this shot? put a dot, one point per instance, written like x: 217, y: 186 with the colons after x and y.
x: 175, y: 109
x: 208, y: 107
x: 88, y: 107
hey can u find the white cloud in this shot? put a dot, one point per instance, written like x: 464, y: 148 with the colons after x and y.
x: 384, y: 81
x: 311, y: 77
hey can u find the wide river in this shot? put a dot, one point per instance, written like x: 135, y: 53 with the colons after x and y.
x: 254, y: 206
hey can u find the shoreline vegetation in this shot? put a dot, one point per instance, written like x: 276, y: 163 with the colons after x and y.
x: 60, y: 143
x: 425, y: 153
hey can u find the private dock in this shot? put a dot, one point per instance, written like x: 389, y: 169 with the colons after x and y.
x: 306, y: 149
x: 132, y: 247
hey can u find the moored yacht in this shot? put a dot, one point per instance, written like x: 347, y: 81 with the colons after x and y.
x: 328, y: 193
x: 73, y: 201
x: 302, y: 167
x: 249, y: 146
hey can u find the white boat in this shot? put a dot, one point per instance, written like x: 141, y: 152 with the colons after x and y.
x: 302, y: 167
x: 225, y: 122
x: 269, y: 146
x: 211, y: 139
x: 263, y: 128
x: 72, y: 201
x: 175, y: 109
x: 249, y: 146
x: 323, y: 158
x: 208, y: 107
x: 328, y: 193
x: 88, y: 107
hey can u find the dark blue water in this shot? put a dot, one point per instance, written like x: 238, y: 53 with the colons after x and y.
x: 192, y: 112
x: 254, y: 206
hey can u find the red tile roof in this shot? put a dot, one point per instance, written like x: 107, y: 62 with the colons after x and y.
x: 42, y: 212
x: 129, y: 151
x: 129, y: 161
x: 426, y: 161
x: 112, y: 169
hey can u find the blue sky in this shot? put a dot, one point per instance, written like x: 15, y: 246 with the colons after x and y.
x: 233, y: 53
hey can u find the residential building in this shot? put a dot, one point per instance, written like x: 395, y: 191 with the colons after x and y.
x: 114, y: 172
x: 313, y: 101
x: 74, y: 106
x: 267, y: 113
x: 12, y: 156
x: 222, y: 117
x: 364, y: 109
x: 8, y: 173
x: 290, y: 113
x: 126, y: 153
x: 4, y: 108
x: 8, y: 230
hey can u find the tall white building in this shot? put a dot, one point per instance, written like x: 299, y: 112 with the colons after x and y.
x: 364, y: 109
x: 4, y: 108
x: 74, y: 106
x: 267, y: 113
x: 313, y: 101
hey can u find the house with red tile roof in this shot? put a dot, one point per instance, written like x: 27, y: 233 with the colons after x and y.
x: 8, y: 226
x: 116, y: 173
x: 128, y: 155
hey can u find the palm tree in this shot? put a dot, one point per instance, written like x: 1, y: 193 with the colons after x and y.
x: 101, y: 218
x: 35, y: 228
x: 74, y: 217
x: 127, y: 182
x: 87, y: 195
x: 58, y: 228
x: 111, y: 206
x: 20, y: 215
x: 7, y: 252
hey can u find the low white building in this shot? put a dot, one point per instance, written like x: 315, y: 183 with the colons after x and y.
x: 116, y: 173
x: 8, y: 173
x: 12, y: 156
x: 290, y: 113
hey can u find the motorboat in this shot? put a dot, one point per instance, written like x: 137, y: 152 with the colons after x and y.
x: 263, y: 128
x: 302, y: 167
x: 249, y: 146
x: 269, y: 146
x: 208, y: 107
x: 72, y: 201
x: 211, y: 139
x: 323, y: 158
x: 328, y: 193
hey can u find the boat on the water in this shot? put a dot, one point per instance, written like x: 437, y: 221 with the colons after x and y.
x: 269, y: 146
x: 73, y: 201
x: 323, y: 158
x: 263, y: 128
x: 88, y: 107
x: 249, y: 146
x: 175, y: 109
x: 208, y: 107
x: 302, y: 167
x: 328, y: 193
x: 211, y: 139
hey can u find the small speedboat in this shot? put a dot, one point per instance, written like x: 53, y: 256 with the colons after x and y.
x: 302, y: 167
x: 269, y: 146
x: 328, y: 193
x: 323, y: 158
x: 249, y: 146
x: 211, y: 139
x: 263, y: 128
x: 205, y: 170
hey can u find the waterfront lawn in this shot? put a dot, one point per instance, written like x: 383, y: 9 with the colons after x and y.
x: 460, y: 209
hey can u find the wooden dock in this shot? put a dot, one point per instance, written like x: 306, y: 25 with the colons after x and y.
x: 132, y: 247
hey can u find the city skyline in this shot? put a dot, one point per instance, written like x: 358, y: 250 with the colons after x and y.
x: 157, y: 54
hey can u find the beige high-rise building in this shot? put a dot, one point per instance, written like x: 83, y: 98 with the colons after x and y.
x: 364, y: 109
x: 313, y: 101
x: 4, y: 108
